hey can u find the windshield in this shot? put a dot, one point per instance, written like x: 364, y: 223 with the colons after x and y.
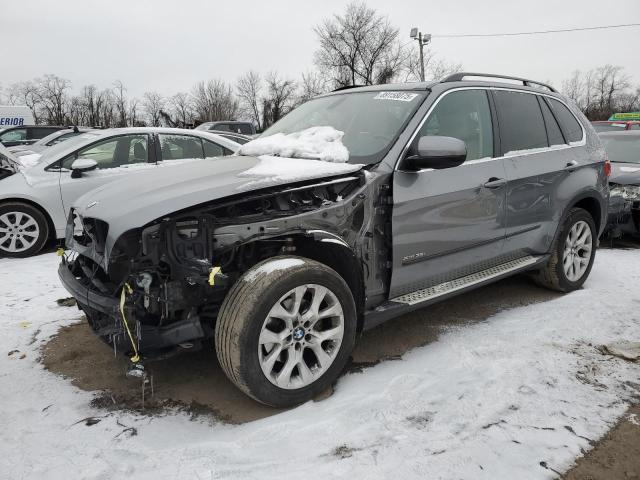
x: 76, y: 141
x: 623, y: 148
x: 371, y: 121
x: 609, y: 127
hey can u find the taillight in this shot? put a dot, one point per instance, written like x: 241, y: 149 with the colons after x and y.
x: 607, y: 168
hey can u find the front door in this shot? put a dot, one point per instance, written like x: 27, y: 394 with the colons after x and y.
x: 450, y: 222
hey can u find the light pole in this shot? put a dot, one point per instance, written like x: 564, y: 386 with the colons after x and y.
x: 422, y: 41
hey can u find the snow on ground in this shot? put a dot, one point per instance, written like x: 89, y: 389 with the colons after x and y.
x: 496, y: 399
x: 316, y: 143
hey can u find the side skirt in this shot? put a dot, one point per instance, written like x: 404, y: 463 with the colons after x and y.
x: 412, y: 301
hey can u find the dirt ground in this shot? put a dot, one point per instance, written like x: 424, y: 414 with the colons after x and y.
x: 195, y: 380
x: 616, y: 456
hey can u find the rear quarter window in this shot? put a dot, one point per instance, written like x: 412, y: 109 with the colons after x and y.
x: 570, y: 126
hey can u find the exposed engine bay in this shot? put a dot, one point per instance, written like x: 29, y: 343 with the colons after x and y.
x: 165, y: 282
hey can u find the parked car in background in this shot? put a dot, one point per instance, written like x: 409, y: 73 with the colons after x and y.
x: 26, y: 135
x: 615, y: 125
x: 357, y: 207
x: 36, y: 192
x: 245, y: 128
x: 48, y: 141
x: 236, y: 137
x: 15, y: 116
x: 623, y: 150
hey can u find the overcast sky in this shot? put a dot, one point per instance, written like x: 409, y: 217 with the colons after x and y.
x: 168, y: 45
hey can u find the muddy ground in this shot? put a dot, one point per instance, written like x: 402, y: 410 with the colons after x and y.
x: 196, y: 381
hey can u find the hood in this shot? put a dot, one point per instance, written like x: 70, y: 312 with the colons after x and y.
x: 625, y: 173
x: 149, y: 194
x: 8, y: 161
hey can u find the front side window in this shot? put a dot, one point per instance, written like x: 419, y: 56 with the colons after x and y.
x: 521, y: 124
x: 114, y: 152
x: 38, y: 133
x: 16, y: 135
x: 221, y: 127
x: 177, y: 147
x: 634, y: 126
x: 464, y: 115
x: 570, y: 126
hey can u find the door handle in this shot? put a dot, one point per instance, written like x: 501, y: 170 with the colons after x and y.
x: 571, y: 166
x: 494, y: 182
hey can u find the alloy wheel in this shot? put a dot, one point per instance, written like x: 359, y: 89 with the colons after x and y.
x: 301, y: 336
x: 577, y: 251
x: 19, y: 231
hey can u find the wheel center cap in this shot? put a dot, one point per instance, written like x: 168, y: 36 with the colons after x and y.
x: 298, y: 333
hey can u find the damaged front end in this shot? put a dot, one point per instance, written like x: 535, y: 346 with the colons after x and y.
x: 624, y: 211
x: 159, y: 289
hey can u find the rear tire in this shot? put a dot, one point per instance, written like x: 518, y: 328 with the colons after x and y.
x: 285, y: 330
x: 573, y: 254
x: 24, y: 230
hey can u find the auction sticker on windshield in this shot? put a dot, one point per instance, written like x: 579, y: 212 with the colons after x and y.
x: 399, y: 96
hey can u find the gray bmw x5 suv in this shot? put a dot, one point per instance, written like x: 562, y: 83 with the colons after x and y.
x: 281, y: 262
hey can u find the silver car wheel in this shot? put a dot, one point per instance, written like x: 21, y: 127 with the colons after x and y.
x: 577, y: 251
x: 19, y: 231
x: 301, y: 336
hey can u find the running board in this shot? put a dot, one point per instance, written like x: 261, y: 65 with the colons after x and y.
x: 464, y: 282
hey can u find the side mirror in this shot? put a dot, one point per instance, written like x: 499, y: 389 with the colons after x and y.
x: 436, y: 152
x: 81, y: 165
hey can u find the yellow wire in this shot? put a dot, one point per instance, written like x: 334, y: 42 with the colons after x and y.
x: 123, y: 297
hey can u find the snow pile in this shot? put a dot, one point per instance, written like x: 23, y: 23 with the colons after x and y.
x: 277, y: 170
x: 514, y: 396
x: 317, y: 143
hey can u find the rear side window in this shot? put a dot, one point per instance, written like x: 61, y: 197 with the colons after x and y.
x: 521, y: 123
x: 570, y: 126
x: 178, y: 147
x: 245, y: 128
x: 553, y: 129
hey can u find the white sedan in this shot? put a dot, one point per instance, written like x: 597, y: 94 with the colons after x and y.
x: 36, y: 191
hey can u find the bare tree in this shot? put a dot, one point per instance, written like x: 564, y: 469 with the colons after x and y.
x: 601, y: 92
x: 279, y: 98
x: 120, y: 100
x: 182, y: 109
x: 249, y: 87
x: 152, y: 103
x: 214, y: 100
x: 435, y: 68
x: 134, y: 120
x: 311, y: 85
x: 52, y: 93
x: 25, y: 93
x: 359, y: 47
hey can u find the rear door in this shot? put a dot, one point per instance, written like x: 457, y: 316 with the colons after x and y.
x: 448, y: 223
x: 539, y: 161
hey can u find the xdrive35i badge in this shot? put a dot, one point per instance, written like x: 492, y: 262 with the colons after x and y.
x: 416, y: 257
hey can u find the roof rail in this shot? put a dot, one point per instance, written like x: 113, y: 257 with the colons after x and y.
x: 346, y: 87
x: 458, y: 77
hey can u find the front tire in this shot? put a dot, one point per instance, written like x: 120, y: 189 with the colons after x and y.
x: 573, y: 254
x: 24, y: 230
x: 285, y: 330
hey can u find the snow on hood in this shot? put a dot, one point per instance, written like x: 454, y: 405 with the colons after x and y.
x: 318, y: 143
x: 30, y: 160
x: 278, y: 170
